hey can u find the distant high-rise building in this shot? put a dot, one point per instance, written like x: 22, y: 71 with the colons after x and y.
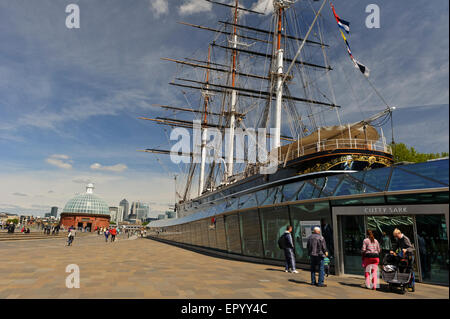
x: 126, y: 209
x: 119, y: 215
x: 113, y: 212
x: 139, y: 210
x: 54, y: 211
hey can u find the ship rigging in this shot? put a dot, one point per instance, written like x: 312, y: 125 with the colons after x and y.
x: 246, y: 82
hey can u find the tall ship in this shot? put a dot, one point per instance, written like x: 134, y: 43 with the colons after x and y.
x: 268, y: 146
x: 273, y: 79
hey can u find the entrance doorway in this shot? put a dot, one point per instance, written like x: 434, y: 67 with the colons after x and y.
x: 425, y: 225
x: 354, y: 229
x: 383, y: 228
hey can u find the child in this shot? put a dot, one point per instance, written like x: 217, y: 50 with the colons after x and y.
x: 326, y: 264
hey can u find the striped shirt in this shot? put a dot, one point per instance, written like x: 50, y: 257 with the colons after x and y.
x: 371, y: 248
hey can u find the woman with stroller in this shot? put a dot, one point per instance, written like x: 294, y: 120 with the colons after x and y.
x: 371, y: 258
x: 403, y: 248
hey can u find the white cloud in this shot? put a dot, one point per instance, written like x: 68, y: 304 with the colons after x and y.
x: 159, y: 7
x: 20, y: 194
x: 60, y: 160
x: 194, y: 6
x: 81, y: 180
x: 113, y: 168
x: 265, y: 6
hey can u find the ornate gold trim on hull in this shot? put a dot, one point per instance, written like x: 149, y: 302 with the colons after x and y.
x: 371, y: 160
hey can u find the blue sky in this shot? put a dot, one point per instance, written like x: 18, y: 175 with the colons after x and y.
x: 70, y: 98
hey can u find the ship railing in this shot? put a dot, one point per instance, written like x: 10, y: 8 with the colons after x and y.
x: 296, y: 149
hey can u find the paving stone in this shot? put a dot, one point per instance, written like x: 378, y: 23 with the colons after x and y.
x: 143, y: 268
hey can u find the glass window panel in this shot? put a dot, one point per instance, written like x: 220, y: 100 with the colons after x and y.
x: 204, y: 232
x: 330, y: 185
x: 319, y: 212
x: 211, y: 230
x: 318, y: 184
x: 197, y: 233
x: 261, y: 196
x: 231, y: 204
x: 268, y: 198
x: 189, y: 231
x: 220, y: 233
x: 274, y: 221
x: 350, y: 186
x: 437, y: 170
x: 353, y: 236
x: 306, y: 192
x: 247, y: 201
x: 175, y: 233
x: 182, y: 236
x: 402, y: 179
x: 377, y: 178
x: 424, y: 198
x: 219, y: 208
x: 232, y: 233
x: 278, y: 195
x: 250, y: 233
x: 290, y: 191
x: 433, y: 248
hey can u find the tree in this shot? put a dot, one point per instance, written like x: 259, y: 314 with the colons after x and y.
x: 403, y: 153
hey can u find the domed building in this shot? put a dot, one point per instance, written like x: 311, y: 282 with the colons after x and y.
x: 86, y: 211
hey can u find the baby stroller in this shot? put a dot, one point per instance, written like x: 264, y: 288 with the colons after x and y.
x: 398, y: 272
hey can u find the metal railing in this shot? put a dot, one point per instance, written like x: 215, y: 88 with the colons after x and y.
x: 296, y: 149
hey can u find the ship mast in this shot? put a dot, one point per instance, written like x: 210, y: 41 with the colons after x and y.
x: 230, y: 149
x: 204, y: 129
x: 278, y: 6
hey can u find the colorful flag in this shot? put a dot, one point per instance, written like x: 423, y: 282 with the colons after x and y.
x: 346, y: 43
x: 364, y: 69
x: 344, y: 25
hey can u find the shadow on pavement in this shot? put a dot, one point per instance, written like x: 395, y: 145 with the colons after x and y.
x: 351, y: 284
x: 383, y: 287
x: 274, y: 269
x: 300, y: 282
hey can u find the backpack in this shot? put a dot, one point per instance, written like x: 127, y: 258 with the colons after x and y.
x: 282, y: 242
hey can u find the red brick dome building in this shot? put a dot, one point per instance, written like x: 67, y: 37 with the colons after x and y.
x: 86, y: 211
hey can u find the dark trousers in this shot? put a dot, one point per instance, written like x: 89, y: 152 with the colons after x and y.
x: 290, y: 258
x: 317, y: 261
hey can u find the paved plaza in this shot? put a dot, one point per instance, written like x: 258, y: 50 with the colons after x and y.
x: 143, y: 268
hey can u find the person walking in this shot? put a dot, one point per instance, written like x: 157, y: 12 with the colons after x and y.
x: 106, y: 234
x: 287, y: 244
x: 71, y: 236
x: 113, y: 233
x: 317, y: 250
x: 371, y: 258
